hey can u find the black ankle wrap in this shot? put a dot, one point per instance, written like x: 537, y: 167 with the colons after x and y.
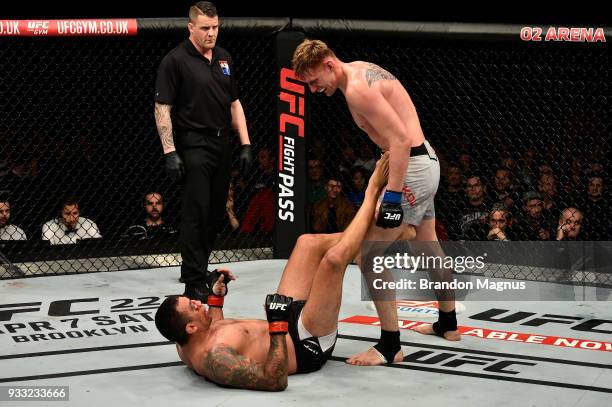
x: 388, y: 344
x: 447, y: 321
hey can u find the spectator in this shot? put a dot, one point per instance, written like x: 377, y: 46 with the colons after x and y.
x: 466, y: 162
x: 154, y: 224
x: 21, y: 162
x: 347, y: 160
x: 502, y: 190
x: 260, y: 210
x: 596, y: 210
x: 496, y: 227
x: 506, y: 161
x: 334, y: 212
x: 316, y: 186
x: 575, y: 182
x: 366, y: 158
x: 359, y: 180
x: 570, y: 225
x: 527, y: 171
x: 532, y: 225
x: 69, y: 227
x: 547, y: 187
x: 263, y: 175
x: 317, y: 149
x: 455, y: 182
x: 475, y: 208
x: 8, y: 231
x: 450, y: 194
x: 4, y: 170
x: 594, y: 168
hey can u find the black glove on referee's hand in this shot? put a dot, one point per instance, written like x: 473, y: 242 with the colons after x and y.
x: 246, y: 158
x: 174, y: 166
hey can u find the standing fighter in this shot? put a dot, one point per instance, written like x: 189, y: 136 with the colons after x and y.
x: 382, y: 108
x: 196, y: 105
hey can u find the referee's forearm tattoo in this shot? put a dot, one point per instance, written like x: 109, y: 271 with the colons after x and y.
x: 164, y: 126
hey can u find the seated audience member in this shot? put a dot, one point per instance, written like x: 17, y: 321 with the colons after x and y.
x: 503, y: 189
x: 366, y: 158
x: 570, y: 225
x: 259, y: 215
x: 334, y: 212
x: 532, y: 225
x: 69, y: 227
x: 547, y: 187
x: 8, y: 231
x: 359, y: 180
x: 154, y: 225
x: 496, y: 227
x: 451, y: 193
x: 475, y: 209
x: 316, y: 184
x: 596, y: 208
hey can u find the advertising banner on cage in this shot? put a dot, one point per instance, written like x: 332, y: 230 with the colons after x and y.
x: 68, y: 28
x: 292, y: 139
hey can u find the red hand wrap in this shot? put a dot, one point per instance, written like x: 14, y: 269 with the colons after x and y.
x: 215, y: 301
x: 280, y: 327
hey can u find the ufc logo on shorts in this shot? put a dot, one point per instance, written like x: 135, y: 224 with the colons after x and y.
x: 392, y: 216
x: 276, y: 305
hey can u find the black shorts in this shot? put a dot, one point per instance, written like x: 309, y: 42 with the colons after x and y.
x: 308, y: 353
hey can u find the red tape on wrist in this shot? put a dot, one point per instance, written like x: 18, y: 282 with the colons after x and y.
x: 280, y: 327
x: 215, y: 301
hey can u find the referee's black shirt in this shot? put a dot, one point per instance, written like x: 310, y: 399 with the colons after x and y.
x: 200, y: 92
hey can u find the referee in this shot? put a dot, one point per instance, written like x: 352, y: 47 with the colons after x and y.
x: 196, y: 105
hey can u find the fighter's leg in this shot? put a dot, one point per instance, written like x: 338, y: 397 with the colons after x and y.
x: 421, y: 183
x: 426, y: 232
x: 306, y: 255
x: 320, y: 314
x: 386, y: 309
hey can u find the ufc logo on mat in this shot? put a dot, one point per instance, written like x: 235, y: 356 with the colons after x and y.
x: 392, y: 216
x: 276, y: 305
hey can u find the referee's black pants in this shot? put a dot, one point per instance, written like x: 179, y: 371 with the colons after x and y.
x: 204, y: 195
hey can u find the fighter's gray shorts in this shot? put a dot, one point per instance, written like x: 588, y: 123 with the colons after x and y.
x: 420, y: 187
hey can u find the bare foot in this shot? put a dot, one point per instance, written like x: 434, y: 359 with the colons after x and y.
x: 372, y: 357
x: 427, y: 329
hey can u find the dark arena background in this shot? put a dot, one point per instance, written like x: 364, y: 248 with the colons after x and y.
x: 514, y: 112
x: 516, y: 104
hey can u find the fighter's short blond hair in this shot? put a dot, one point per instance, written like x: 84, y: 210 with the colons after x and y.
x: 309, y: 54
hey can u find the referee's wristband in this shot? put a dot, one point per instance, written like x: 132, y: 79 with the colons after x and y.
x: 215, y: 301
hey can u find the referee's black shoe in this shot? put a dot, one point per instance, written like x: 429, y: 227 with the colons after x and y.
x: 196, y: 292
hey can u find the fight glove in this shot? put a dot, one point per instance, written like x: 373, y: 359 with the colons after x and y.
x: 277, y: 312
x: 390, y: 213
x: 217, y: 290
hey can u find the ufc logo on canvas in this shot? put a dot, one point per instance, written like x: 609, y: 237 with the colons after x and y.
x: 392, y: 216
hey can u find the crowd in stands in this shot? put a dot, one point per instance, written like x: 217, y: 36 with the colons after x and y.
x: 523, y: 196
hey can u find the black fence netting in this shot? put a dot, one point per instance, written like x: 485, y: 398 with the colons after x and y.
x: 78, y: 127
x: 521, y: 131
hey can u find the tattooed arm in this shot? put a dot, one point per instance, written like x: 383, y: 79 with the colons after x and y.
x: 224, y: 366
x: 164, y: 126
